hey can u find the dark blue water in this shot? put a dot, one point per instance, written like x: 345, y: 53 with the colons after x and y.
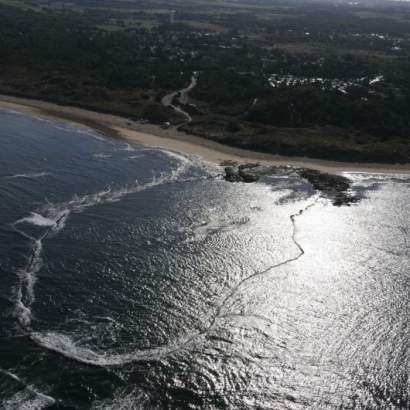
x: 135, y: 278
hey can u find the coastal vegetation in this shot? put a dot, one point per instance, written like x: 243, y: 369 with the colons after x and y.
x: 327, y: 81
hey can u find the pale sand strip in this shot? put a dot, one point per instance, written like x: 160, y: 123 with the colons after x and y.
x: 153, y: 135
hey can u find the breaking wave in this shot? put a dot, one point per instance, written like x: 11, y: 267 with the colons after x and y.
x: 101, y: 155
x: 53, y: 217
x: 66, y: 346
x: 127, y: 147
x: 38, y: 220
x: 136, y: 399
x: 11, y: 111
x: 27, y: 278
x: 29, y: 175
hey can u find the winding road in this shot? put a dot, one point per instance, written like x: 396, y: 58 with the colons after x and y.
x: 167, y: 101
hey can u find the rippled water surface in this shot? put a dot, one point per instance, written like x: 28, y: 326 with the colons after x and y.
x: 135, y: 278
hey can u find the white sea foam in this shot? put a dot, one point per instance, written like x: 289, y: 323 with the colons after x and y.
x: 53, y: 216
x: 59, y: 212
x: 27, y: 399
x: 29, y: 175
x: 54, y: 219
x: 101, y: 155
x: 186, y: 161
x: 176, y: 155
x: 87, y: 131
x: 25, y: 296
x: 134, y: 400
x: 66, y: 346
x: 210, y: 168
x: 375, y: 176
x: 127, y: 147
x: 11, y: 111
x: 37, y: 219
x: 74, y: 128
x: 216, y: 225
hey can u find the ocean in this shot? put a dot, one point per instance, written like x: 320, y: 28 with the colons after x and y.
x: 138, y: 278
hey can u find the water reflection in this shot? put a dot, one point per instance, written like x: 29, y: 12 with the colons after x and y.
x: 164, y: 287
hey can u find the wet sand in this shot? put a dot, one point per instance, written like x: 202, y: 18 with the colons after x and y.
x: 154, y: 135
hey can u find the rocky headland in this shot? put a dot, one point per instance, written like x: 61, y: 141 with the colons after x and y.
x: 332, y: 186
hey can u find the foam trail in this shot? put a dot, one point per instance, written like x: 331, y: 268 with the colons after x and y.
x: 80, y: 203
x: 11, y: 111
x: 216, y: 225
x: 53, y: 217
x: 134, y: 400
x: 87, y: 131
x: 38, y: 220
x: 66, y: 346
x: 127, y: 147
x: 102, y: 155
x: 209, y: 167
x: 27, y: 278
x: 30, y: 399
x: 29, y: 175
x: 176, y: 155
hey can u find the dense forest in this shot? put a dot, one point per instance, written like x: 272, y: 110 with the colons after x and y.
x: 325, y: 81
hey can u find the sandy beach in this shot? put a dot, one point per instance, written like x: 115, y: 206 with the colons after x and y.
x: 154, y: 135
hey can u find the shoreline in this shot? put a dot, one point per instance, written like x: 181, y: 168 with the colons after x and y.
x: 153, y: 135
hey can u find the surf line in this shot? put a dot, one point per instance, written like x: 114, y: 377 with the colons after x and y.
x: 263, y: 272
x: 54, y: 221
x: 64, y: 345
x: 218, y: 315
x: 235, y: 289
x: 27, y: 277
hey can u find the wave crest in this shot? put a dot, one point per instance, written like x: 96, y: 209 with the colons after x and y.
x: 29, y: 175
x: 66, y: 346
x: 54, y: 217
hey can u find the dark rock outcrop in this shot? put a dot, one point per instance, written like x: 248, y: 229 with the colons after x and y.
x: 243, y: 173
x: 232, y: 175
x: 332, y: 186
